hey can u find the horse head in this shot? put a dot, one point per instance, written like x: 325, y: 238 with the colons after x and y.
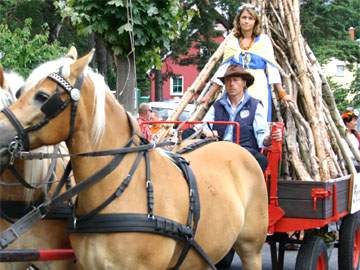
x: 24, y: 123
x: 9, y: 83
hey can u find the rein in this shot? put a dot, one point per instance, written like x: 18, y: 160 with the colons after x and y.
x: 26, y: 222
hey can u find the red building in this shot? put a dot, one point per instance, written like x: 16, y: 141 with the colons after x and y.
x: 177, y: 78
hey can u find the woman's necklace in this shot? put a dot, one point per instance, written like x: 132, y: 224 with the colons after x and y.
x: 242, y: 45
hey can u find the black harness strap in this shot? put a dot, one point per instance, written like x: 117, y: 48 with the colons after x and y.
x: 22, y: 135
x: 93, y: 222
x: 19, y: 177
x: 26, y: 222
x: 22, y: 225
x: 124, y: 184
x: 196, y: 145
x: 130, y: 222
x: 13, y: 210
x: 194, y: 211
x: 149, y: 186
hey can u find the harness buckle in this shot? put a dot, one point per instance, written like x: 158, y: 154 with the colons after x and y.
x: 75, y: 94
x: 148, y: 183
x: 74, y: 222
x: 15, y: 146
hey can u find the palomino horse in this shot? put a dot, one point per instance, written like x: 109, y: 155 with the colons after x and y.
x: 16, y: 199
x: 230, y: 183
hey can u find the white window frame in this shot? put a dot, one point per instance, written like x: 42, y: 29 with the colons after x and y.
x: 340, y: 71
x: 172, y: 85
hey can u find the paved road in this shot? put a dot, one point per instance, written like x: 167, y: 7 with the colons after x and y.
x: 290, y: 258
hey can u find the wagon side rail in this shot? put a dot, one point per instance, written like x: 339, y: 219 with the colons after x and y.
x: 279, y: 221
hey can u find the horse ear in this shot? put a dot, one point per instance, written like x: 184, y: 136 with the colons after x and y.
x: 72, y: 53
x: 2, y: 80
x: 80, y: 65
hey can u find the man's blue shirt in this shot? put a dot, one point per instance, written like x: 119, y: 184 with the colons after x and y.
x: 260, y: 125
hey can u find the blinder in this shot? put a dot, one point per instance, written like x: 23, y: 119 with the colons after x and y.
x: 54, y: 105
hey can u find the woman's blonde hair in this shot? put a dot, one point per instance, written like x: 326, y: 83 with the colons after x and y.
x: 254, y: 14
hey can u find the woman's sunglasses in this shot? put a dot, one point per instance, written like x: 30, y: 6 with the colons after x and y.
x: 248, y: 6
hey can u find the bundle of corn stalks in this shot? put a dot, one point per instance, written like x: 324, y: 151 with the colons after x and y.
x: 315, y: 136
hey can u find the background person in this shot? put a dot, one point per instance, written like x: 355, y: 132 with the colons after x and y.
x: 350, y: 120
x: 144, y: 115
x: 154, y: 128
x: 253, y: 50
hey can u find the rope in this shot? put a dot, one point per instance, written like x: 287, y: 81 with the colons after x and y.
x: 130, y: 21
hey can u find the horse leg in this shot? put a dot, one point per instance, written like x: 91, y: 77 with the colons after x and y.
x: 251, y: 238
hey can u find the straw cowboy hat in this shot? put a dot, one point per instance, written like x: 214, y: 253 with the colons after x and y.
x: 238, y: 71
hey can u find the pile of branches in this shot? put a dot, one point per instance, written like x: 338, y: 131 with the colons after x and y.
x: 315, y: 136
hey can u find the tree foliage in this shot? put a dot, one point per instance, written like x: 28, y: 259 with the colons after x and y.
x: 210, y: 16
x: 355, y: 88
x: 21, y: 51
x: 325, y: 25
x: 153, y: 25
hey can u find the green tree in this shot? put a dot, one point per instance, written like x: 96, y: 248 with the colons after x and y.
x: 202, y: 29
x: 22, y: 52
x: 141, y: 29
x: 325, y: 26
x: 355, y: 88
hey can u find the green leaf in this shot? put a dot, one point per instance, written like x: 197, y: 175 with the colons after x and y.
x: 116, y: 3
x: 126, y: 27
x: 152, y: 11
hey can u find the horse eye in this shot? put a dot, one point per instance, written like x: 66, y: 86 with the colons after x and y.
x: 41, y: 97
x: 19, y: 92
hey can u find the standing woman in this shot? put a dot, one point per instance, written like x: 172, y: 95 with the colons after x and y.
x: 350, y: 120
x: 253, y: 50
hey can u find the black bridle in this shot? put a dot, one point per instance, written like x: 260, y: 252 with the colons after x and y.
x: 51, y: 108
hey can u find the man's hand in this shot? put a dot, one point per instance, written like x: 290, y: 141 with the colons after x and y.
x: 210, y: 133
x: 276, y: 135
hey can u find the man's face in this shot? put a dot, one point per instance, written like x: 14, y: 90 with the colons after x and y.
x: 235, y: 86
x: 148, y: 114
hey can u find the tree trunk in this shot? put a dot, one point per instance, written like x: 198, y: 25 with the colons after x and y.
x: 126, y: 83
x: 158, y: 85
x: 101, y: 55
x: 54, y: 27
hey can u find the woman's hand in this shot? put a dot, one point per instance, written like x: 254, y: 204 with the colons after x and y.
x: 287, y: 98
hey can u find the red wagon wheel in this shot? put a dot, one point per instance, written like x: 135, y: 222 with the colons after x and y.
x: 349, y: 243
x: 312, y: 255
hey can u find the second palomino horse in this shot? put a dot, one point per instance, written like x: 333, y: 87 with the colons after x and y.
x: 16, y: 200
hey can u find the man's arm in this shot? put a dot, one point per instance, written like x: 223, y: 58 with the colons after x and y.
x: 210, y: 116
x: 261, y: 127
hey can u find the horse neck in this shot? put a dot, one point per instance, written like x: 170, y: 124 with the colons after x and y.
x: 116, y: 134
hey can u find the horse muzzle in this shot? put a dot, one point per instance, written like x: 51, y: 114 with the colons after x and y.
x: 7, y: 135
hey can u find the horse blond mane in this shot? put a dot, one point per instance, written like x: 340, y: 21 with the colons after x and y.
x: 12, y: 81
x: 42, y: 71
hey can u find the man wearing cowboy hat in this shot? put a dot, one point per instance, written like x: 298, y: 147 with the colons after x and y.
x: 237, y: 105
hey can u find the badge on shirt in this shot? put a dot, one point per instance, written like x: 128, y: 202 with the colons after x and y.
x: 244, y: 113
